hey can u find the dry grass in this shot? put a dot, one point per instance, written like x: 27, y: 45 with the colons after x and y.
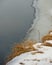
x: 47, y: 44
x: 20, y: 48
x: 33, y: 53
x: 47, y: 37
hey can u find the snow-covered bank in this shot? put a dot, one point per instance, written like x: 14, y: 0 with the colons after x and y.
x: 42, y: 56
x: 35, y: 53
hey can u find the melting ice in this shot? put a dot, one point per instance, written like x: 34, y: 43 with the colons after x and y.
x: 43, y: 20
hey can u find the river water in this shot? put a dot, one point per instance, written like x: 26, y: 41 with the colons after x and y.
x: 16, y: 17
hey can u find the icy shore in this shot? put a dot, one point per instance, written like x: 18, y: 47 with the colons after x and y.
x: 42, y: 56
x: 43, y: 20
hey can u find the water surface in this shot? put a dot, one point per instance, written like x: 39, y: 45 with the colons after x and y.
x: 15, y: 19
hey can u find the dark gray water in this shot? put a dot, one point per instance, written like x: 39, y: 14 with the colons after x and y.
x: 15, y: 19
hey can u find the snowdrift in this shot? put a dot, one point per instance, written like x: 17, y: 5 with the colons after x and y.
x: 32, y: 53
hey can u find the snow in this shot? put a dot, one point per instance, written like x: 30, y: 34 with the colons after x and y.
x: 42, y: 56
x: 49, y: 41
x: 50, y: 12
